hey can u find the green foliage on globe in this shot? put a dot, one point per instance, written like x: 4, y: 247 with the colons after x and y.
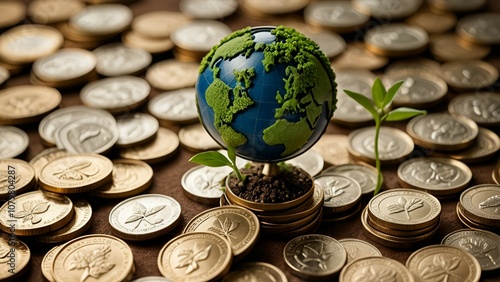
x: 267, y: 92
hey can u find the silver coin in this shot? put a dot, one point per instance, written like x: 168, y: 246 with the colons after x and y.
x: 50, y: 124
x: 481, y: 28
x: 310, y: 161
x: 415, y: 65
x: 341, y: 192
x: 178, y: 106
x: 357, y: 249
x: 365, y: 175
x: 200, y: 35
x: 116, y: 94
x: 208, y: 9
x: 65, y: 64
x: 482, y: 107
x: 13, y: 142
x: 105, y: 19
x: 387, y: 9
x: 396, y: 37
x: 196, y: 139
x: 205, y: 184
x: 135, y: 129
x: 116, y: 59
x: 339, y: 16
x: 473, y: 74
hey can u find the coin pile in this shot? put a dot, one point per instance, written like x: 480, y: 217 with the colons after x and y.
x: 14, y: 248
x: 208, y: 9
x: 255, y: 268
x: 364, y: 175
x: 479, y: 207
x: 265, y: 9
x: 401, y: 218
x: 379, y: 267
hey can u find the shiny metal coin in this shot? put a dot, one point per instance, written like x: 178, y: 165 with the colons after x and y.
x: 375, y: 269
x: 13, y: 142
x: 175, y: 107
x: 135, y: 40
x: 357, y: 249
x: 53, y: 11
x: 341, y: 192
x: 338, y: 16
x: 98, y: 20
x: 164, y: 146
x: 136, y: 129
x: 481, y: 203
x: 395, y: 9
x: 481, y: 28
x: 333, y: 148
x: 66, y: 64
x: 116, y: 59
x: 172, y: 74
x: 310, y: 161
x: 433, y: 22
x: 11, y: 13
x: 448, y: 47
x: 195, y: 138
x: 396, y: 40
x: 357, y: 57
x: 204, y: 184
x: 46, y: 265
x: 482, y: 107
x: 365, y: 175
x: 200, y: 35
x: 419, y: 65
x: 158, y: 24
x: 260, y: 271
x: 467, y: 75
x: 329, y: 42
x: 16, y: 177
x: 45, y: 156
x: 22, y: 254
x: 210, y: 10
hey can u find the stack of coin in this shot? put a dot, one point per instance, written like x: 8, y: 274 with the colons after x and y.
x: 162, y: 147
x: 481, y: 107
x: 208, y: 9
x: 469, y: 74
x: 401, y: 218
x: 265, y: 9
x: 116, y: 59
x: 479, y: 207
x: 479, y: 28
x: 342, y: 198
x: 396, y: 40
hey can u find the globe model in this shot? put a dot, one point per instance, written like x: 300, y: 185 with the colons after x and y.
x: 268, y: 92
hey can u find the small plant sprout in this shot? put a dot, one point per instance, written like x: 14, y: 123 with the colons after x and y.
x: 379, y: 109
x: 217, y: 159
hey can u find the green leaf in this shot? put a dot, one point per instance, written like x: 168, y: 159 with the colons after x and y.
x: 363, y: 101
x: 211, y: 158
x: 391, y: 93
x: 378, y: 93
x: 403, y: 113
x: 231, y: 153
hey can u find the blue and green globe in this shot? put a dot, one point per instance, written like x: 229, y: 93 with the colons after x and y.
x: 268, y: 92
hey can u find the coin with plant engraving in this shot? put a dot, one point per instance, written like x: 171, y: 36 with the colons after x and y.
x: 13, y: 250
x: 357, y: 249
x: 256, y: 271
x: 375, y: 269
x: 481, y: 203
x: 12, y: 184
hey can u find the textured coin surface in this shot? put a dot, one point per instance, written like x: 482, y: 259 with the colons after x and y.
x: 116, y: 94
x: 152, y: 45
x: 195, y: 138
x: 357, y: 57
x: 27, y: 103
x: 36, y: 213
x: 481, y: 204
x: 136, y: 129
x: 331, y: 256
x: 145, y: 217
x: 108, y: 257
x: 404, y: 209
x: 333, y: 148
x: 447, y: 47
x: 200, y: 35
x: 394, y: 145
x: 238, y: 225
x: 204, y: 184
x: 365, y: 175
x: 430, y: 262
x: 442, y: 131
x: 338, y: 16
x: 161, y: 148
x: 437, y: 176
x: 19, y: 252
x: 76, y: 173
x: 396, y: 39
x: 433, y: 22
x: 211, y: 253
x: 65, y: 64
x: 16, y: 177
x: 116, y: 59
x: 341, y: 192
x: 13, y: 142
x: 483, y: 245
x: 172, y: 74
x: 80, y: 223
x: 11, y: 13
x: 102, y: 19
x: 53, y: 11
x: 158, y: 24
x: 375, y: 269
x: 387, y: 9
x: 211, y: 9
x: 482, y: 107
x: 256, y: 271
x: 310, y: 161
x: 357, y: 249
x: 175, y: 107
x: 26, y: 43
x: 483, y: 28
x: 471, y: 74
x: 46, y: 265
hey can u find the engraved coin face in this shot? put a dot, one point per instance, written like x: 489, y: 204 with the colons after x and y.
x: 76, y: 173
x: 195, y: 256
x: 483, y: 245
x: 20, y: 179
x: 145, y: 217
x: 102, y: 19
x: 469, y: 74
x: 13, y: 142
x: 116, y: 59
x: 396, y: 39
x: 238, y: 225
x: 392, y: 9
x: 195, y: 138
x: 339, y: 16
x: 256, y: 271
x: 200, y: 35
x: 404, y: 209
x: 365, y: 175
x: 204, y: 184
x: 136, y: 129
x: 158, y: 24
x: 161, y: 148
x: 375, y: 269
x: 447, y: 47
x: 329, y: 256
x: 47, y: 261
x: 37, y: 213
x: 442, y: 131
x: 483, y: 28
x: 106, y: 257
x: 65, y: 64
x: 178, y: 106
x: 482, y: 107
x: 418, y: 90
x: 172, y: 74
x: 451, y: 263
x: 211, y: 9
x: 310, y: 161
x: 20, y: 252
x: 341, y: 192
x: 481, y: 203
x: 357, y: 249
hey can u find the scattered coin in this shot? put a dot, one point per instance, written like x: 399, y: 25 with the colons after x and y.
x: 37, y: 213
x: 457, y: 6
x: 152, y: 45
x: 20, y: 253
x: 310, y: 161
x: 53, y: 11
x: 136, y: 129
x: 387, y: 10
x: 482, y: 107
x: 196, y: 139
x: 341, y: 192
x: 130, y: 177
x: 16, y: 177
x: 172, y: 74
x: 338, y: 16
x: 214, y: 253
x: 447, y: 48
x: 116, y: 59
x: 357, y: 57
x: 98, y: 20
x: 378, y: 267
x: 396, y: 40
x: 442, y: 131
x: 357, y: 249
x: 211, y: 10
x: 76, y: 173
x: 110, y: 258
x: 11, y: 13
x: 158, y: 24
x: 152, y: 279
x: 199, y: 35
x: 164, y: 146
x: 467, y: 75
x: 480, y: 204
x: 260, y: 271
x: 333, y: 148
x: 483, y: 28
x: 175, y: 107
x: 433, y: 22
x: 46, y: 265
x: 13, y: 142
x: 4, y: 74
x: 275, y: 7
x: 419, y: 65
x: 329, y: 42
x: 297, y: 251
x: 364, y: 175
x: 204, y: 184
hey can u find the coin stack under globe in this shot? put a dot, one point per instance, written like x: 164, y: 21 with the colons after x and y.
x: 478, y: 207
x: 401, y: 218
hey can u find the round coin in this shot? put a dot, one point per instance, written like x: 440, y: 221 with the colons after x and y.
x: 471, y: 74
x: 4, y: 74
x: 364, y: 175
x: 357, y: 249
x: 116, y: 59
x: 16, y: 257
x: 133, y: 39
x: 110, y: 258
x: 483, y: 245
x: 158, y: 24
x: 258, y: 271
x: 47, y: 261
x: 76, y: 173
x: 105, y: 19
x: 16, y: 177
x: 414, y: 65
x: 204, y: 184
x: 136, y: 129
x: 357, y: 57
x: 165, y: 145
x: 375, y: 269
x: 65, y: 64
x: 333, y: 148
x: 483, y: 28
x: 196, y: 139
x: 172, y: 74
x: 175, y: 107
x: 396, y: 40
x: 329, y: 42
x: 27, y: 103
x: 429, y: 262
x: 211, y: 253
x: 11, y: 13
x: 457, y: 5
x: 36, y: 213
x: 480, y: 203
x: 442, y: 131
x: 151, y: 279
x: 338, y: 16
x: 482, y: 107
x: 433, y: 22
x: 341, y: 192
x: 447, y: 47
x: 200, y: 35
x: 145, y: 217
x: 310, y: 161
x: 13, y: 142
x: 238, y: 225
x: 275, y: 7
x: 53, y: 11
x: 387, y: 10
x: 211, y: 9
x: 331, y: 257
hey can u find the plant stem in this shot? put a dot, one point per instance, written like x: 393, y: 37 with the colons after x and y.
x: 377, y: 158
x: 237, y: 171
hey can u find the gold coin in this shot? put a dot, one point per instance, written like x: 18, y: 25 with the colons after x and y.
x: 430, y: 262
x: 447, y: 48
x: 105, y: 257
x: 46, y: 265
x: 355, y: 56
x: 11, y: 13
x: 480, y: 203
x: 415, y: 65
x: 284, y: 229
x: 165, y: 145
x: 158, y: 24
x: 26, y: 43
x: 65, y: 65
x: 195, y: 138
x: 4, y: 74
x: 15, y: 258
x: 35, y: 213
x: 196, y: 256
x: 309, y: 228
x: 328, y: 216
x: 338, y: 16
x: 151, y: 45
x: 130, y: 177
x: 238, y: 225
x: 333, y: 149
x: 357, y: 249
x: 400, y: 235
x: 81, y: 222
x: 44, y: 157
x: 16, y: 177
x: 172, y: 74
x: 260, y: 271
x: 433, y: 22
x: 469, y: 74
x: 381, y: 9
x: 53, y: 11
x: 275, y: 7
x: 76, y: 173
x: 375, y: 269
x: 27, y: 103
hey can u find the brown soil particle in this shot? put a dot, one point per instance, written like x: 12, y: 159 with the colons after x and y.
x: 260, y: 188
